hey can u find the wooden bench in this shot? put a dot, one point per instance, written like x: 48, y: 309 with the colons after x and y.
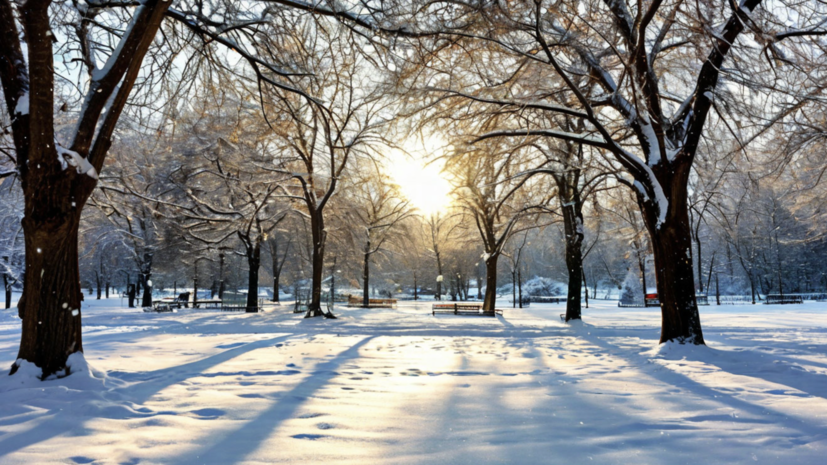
x: 355, y: 301
x: 463, y: 309
x: 207, y: 303
x: 783, y: 299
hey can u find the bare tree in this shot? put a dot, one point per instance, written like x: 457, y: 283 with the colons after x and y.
x: 494, y: 190
x: 320, y: 141
x: 58, y: 171
x: 380, y: 212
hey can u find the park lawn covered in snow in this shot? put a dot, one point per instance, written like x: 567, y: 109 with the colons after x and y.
x: 402, y: 386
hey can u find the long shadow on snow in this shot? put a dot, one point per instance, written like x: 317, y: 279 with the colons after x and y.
x: 589, y: 423
x: 254, y: 432
x: 486, y: 427
x: 670, y: 377
x: 139, y: 393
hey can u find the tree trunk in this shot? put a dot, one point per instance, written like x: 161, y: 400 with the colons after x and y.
x: 276, y: 273
x: 130, y: 292
x: 318, y: 234
x: 276, y: 288
x: 194, y: 285
x: 366, y: 277
x: 221, y: 276
x: 479, y: 283
x: 98, y: 285
x: 107, y: 289
x: 254, y: 262
x: 50, y: 305
x: 573, y: 228
x: 7, y: 287
x: 700, y: 265
x: 146, y: 300
x: 520, y: 286
x: 489, y: 302
x: 672, y: 244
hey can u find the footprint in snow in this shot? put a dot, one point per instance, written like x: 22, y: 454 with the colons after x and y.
x: 209, y: 413
x: 312, y: 437
x: 81, y: 459
x: 325, y: 426
x: 251, y: 396
x: 312, y: 415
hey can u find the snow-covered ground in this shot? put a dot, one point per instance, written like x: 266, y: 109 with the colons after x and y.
x: 401, y: 386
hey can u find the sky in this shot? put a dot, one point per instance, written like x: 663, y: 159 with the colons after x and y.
x: 419, y: 174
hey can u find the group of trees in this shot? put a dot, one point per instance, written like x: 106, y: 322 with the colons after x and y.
x: 198, y: 132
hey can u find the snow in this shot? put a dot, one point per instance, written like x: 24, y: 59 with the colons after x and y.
x: 70, y: 157
x: 22, y: 107
x: 402, y: 386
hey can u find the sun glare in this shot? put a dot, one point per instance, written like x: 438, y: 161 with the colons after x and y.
x: 423, y: 185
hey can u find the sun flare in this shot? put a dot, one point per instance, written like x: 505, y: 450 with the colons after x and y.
x: 424, y: 185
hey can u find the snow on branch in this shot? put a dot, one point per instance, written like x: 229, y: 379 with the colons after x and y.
x: 587, y: 139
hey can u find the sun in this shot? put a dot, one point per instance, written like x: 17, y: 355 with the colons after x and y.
x: 424, y: 185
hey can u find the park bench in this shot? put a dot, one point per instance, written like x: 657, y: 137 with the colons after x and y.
x: 702, y: 299
x: 462, y: 309
x: 207, y: 303
x: 783, y: 299
x: 355, y: 301
x: 174, y: 302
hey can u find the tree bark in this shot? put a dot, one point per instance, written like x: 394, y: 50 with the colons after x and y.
x: 520, y: 286
x: 276, y: 271
x: 50, y: 305
x: 489, y: 302
x: 146, y: 300
x: 700, y: 265
x: 254, y: 262
x: 318, y: 236
x: 672, y: 245
x: 573, y: 228
x: 7, y: 287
